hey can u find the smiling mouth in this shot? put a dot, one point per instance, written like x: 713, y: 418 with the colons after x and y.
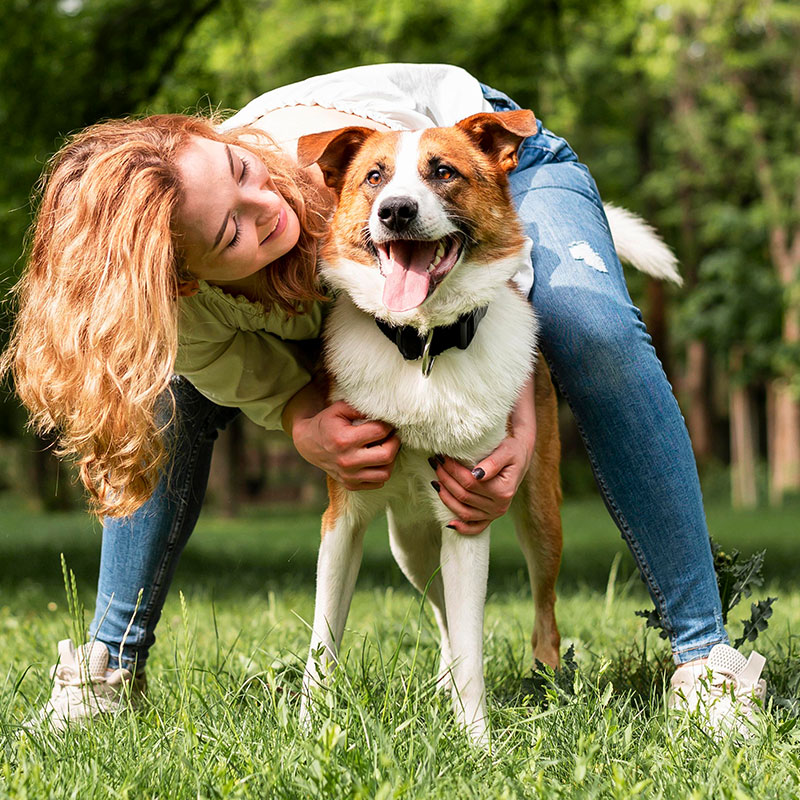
x: 274, y: 228
x: 413, y: 269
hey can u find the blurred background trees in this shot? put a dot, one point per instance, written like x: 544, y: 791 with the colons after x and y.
x: 686, y: 112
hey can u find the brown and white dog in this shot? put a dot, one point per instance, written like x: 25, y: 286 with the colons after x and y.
x: 429, y: 332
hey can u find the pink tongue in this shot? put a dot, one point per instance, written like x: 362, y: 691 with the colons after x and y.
x: 407, y: 280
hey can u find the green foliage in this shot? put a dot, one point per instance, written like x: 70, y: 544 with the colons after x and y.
x: 736, y: 579
x: 760, y: 612
x: 676, y: 107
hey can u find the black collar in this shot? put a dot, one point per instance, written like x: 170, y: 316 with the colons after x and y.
x: 413, y: 346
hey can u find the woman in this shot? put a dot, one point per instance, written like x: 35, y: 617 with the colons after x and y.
x: 232, y: 228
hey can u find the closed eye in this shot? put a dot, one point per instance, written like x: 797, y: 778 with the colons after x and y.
x: 245, y: 169
x: 236, y: 235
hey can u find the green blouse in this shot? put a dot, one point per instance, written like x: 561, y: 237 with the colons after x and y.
x: 238, y: 353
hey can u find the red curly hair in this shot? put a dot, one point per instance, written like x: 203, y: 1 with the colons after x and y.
x: 95, y: 339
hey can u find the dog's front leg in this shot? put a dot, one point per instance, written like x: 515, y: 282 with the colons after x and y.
x: 465, y: 570
x: 337, y: 569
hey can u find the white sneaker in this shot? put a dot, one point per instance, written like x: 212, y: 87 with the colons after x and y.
x: 722, y: 690
x: 84, y: 687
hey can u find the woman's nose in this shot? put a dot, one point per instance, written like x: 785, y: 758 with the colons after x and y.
x: 266, y: 205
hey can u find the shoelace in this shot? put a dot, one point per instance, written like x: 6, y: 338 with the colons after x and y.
x: 65, y: 676
x: 727, y: 684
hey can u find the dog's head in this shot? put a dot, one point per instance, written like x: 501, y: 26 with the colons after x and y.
x: 424, y: 228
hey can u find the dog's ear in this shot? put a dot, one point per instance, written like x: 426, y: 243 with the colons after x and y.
x: 499, y: 134
x: 333, y: 151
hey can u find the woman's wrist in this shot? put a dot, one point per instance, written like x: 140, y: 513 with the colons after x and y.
x: 522, y: 422
x: 301, y: 409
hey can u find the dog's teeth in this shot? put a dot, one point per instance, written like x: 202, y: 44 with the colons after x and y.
x: 437, y: 256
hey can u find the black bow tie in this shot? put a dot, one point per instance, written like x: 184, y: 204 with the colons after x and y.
x: 412, y: 345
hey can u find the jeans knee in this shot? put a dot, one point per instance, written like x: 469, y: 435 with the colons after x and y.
x: 603, y: 355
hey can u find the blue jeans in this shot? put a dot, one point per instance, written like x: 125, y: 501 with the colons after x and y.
x: 140, y: 552
x: 600, y: 355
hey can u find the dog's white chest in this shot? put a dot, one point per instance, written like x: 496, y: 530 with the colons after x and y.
x: 462, y: 407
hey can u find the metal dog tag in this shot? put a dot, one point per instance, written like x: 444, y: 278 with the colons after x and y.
x: 427, y: 358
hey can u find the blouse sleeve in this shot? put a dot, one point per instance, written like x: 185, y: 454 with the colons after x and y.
x: 254, y: 370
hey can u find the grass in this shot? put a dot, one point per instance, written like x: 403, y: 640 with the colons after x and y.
x: 221, y: 719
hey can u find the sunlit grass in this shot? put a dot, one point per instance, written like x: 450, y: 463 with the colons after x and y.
x: 221, y: 719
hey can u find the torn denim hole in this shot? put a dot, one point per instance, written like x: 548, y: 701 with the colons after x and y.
x: 583, y: 251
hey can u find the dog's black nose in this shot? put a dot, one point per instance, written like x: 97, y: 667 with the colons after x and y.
x: 397, y: 213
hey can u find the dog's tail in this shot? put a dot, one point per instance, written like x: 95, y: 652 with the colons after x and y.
x: 639, y: 245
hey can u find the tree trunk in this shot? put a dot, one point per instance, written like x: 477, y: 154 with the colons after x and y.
x: 784, y: 249
x: 234, y: 456
x: 784, y: 404
x: 657, y: 325
x: 697, y: 380
x: 697, y: 388
x: 744, y: 439
x: 783, y: 424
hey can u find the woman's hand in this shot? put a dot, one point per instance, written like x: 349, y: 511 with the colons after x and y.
x: 480, y: 495
x: 356, y: 452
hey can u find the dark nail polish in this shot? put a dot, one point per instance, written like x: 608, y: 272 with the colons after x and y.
x: 478, y: 473
x: 436, y: 485
x: 440, y: 459
x: 452, y: 527
x: 433, y: 462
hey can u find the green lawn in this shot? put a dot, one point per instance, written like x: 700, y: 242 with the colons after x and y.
x: 221, y: 720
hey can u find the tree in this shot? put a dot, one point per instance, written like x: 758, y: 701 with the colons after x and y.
x: 753, y: 54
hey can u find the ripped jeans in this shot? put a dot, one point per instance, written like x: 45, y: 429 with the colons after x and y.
x: 600, y: 355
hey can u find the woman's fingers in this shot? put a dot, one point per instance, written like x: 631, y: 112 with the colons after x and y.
x: 465, y: 512
x: 367, y: 479
x: 475, y: 498
x: 354, y: 430
x: 462, y: 490
x: 496, y: 461
x: 356, y: 459
x: 469, y: 528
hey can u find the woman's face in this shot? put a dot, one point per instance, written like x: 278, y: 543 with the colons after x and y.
x: 232, y: 221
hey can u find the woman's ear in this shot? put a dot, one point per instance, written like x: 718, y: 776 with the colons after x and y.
x: 188, y: 288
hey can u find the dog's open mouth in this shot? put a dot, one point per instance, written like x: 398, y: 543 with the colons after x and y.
x: 413, y: 269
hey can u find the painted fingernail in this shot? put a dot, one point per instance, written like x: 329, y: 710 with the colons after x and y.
x: 452, y: 527
x: 434, y: 463
x: 478, y: 473
x: 436, y: 485
x: 440, y: 459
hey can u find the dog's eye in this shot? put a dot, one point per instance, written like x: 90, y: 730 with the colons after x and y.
x: 445, y: 173
x: 373, y: 177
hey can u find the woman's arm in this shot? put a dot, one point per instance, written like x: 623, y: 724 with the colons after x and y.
x: 481, y: 495
x: 286, y: 125
x: 356, y: 452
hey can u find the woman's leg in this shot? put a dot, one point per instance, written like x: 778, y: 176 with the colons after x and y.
x: 140, y: 552
x: 601, y: 357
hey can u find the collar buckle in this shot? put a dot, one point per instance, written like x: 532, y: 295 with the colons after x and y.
x: 427, y: 358
x: 413, y: 346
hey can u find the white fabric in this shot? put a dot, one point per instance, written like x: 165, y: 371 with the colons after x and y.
x: 401, y: 96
